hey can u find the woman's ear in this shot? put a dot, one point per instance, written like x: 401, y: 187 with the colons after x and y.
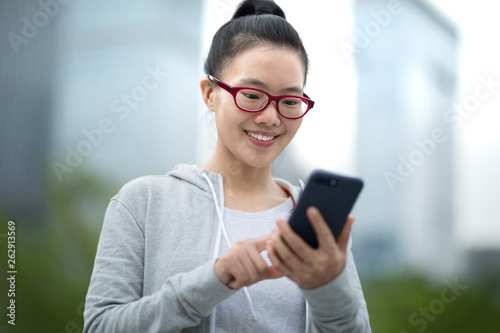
x: 208, y: 93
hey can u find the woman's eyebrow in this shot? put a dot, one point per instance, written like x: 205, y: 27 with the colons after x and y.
x: 264, y: 86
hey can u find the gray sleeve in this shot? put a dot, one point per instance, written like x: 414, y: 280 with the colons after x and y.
x: 115, y: 301
x: 339, y: 306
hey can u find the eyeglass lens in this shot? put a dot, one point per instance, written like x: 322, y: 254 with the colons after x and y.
x: 253, y: 100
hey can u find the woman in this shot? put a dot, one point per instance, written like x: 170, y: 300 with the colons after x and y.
x: 206, y: 250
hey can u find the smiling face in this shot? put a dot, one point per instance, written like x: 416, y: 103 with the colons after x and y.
x: 255, y: 139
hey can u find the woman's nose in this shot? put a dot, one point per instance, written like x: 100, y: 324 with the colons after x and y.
x: 269, y: 116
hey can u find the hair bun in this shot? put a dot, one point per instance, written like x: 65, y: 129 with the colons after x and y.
x: 258, y: 7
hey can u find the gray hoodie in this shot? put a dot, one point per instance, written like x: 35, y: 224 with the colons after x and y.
x: 153, y: 270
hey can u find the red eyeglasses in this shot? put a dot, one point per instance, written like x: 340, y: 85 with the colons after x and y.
x: 255, y: 100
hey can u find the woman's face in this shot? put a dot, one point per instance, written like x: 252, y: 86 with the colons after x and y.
x: 275, y: 70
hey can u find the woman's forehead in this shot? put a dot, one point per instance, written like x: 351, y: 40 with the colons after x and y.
x: 266, y: 66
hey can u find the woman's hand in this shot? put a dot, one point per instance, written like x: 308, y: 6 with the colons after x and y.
x: 306, y: 266
x: 243, y: 265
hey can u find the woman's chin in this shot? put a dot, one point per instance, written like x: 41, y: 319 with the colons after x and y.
x: 260, y: 162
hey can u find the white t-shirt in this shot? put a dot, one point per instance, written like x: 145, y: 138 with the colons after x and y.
x: 278, y: 304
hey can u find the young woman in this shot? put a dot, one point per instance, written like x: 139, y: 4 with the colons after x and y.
x: 209, y: 249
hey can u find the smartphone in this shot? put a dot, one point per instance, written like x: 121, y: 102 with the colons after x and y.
x: 334, y: 195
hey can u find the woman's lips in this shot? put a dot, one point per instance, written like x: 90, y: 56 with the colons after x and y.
x: 262, y: 139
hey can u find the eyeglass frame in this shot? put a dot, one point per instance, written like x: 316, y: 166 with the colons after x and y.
x: 234, y: 91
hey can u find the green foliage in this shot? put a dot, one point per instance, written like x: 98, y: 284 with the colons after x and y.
x: 393, y: 299
x: 55, y: 256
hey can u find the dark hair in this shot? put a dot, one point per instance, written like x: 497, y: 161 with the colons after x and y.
x: 254, y: 23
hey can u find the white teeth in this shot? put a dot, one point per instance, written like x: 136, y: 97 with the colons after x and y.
x: 260, y: 137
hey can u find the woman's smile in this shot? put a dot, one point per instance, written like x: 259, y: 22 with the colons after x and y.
x: 262, y: 139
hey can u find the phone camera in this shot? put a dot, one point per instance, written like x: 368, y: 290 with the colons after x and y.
x: 327, y: 181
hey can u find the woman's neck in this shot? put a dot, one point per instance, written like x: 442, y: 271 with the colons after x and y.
x: 246, y: 188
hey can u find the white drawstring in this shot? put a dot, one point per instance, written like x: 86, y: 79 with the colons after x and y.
x: 219, y: 211
x: 307, y: 317
x: 302, y: 186
x: 219, y: 208
x: 215, y: 255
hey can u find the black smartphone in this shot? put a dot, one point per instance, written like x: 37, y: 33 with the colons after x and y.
x: 334, y: 195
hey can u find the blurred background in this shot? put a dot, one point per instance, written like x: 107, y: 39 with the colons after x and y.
x: 94, y: 94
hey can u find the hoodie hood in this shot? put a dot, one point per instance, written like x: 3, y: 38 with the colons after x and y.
x: 193, y: 175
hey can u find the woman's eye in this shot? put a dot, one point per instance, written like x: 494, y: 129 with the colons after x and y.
x: 250, y: 96
x: 290, y: 102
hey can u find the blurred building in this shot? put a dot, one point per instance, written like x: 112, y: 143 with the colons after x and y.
x: 406, y: 60
x: 484, y: 264
x: 25, y: 99
x: 124, y: 86
x: 105, y: 88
